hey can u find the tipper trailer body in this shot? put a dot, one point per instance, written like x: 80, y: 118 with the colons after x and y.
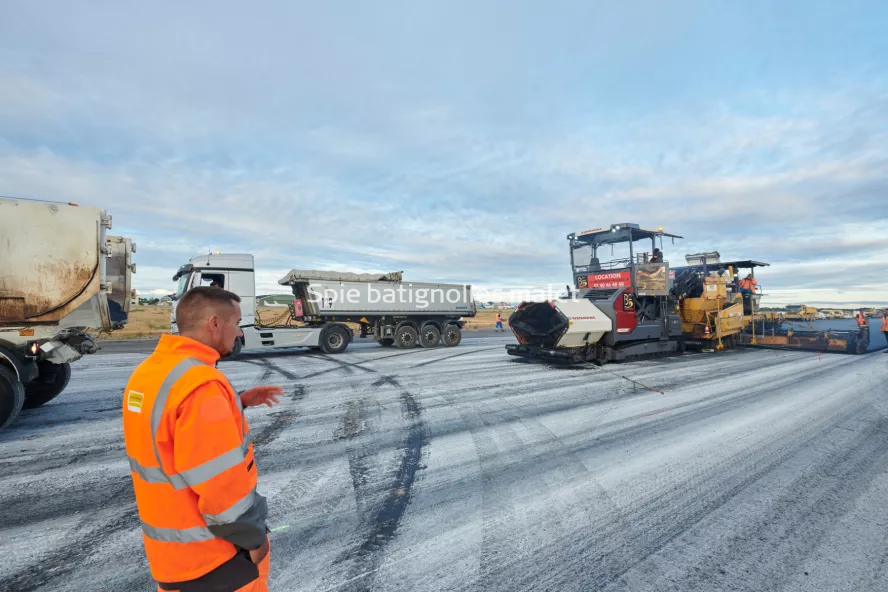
x: 393, y: 312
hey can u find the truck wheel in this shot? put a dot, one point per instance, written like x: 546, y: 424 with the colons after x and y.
x: 429, y: 336
x: 452, y: 335
x: 12, y: 396
x: 334, y: 340
x: 52, y: 380
x: 386, y: 342
x: 405, y: 337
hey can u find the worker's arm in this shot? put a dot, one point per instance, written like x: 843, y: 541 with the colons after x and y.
x: 212, y: 458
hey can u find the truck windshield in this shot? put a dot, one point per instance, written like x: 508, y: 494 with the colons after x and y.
x: 183, y: 284
x: 607, y: 257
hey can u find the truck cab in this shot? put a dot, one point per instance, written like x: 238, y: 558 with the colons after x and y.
x: 233, y: 272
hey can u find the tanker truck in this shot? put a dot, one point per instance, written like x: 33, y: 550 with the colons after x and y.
x: 391, y: 311
x: 61, y: 276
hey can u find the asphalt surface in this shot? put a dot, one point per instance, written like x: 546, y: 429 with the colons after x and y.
x: 465, y: 469
x: 132, y: 346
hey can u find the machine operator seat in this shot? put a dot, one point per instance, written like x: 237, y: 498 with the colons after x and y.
x: 594, y: 264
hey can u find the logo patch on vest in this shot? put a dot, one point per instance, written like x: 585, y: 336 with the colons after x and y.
x: 134, y: 401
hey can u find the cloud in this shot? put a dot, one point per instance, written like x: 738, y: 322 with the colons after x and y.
x: 456, y: 143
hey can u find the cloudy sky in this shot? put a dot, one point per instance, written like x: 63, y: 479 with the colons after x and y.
x: 460, y: 140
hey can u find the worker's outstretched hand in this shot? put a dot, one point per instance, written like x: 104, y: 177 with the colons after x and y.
x: 261, y: 394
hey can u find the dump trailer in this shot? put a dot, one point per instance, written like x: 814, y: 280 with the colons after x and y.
x: 385, y: 307
x: 61, y: 276
x: 622, y: 309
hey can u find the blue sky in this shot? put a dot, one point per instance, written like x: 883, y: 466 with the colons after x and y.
x: 461, y: 141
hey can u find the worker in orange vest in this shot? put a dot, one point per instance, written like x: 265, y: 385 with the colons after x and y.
x: 861, y: 318
x: 885, y: 326
x: 191, y: 455
x: 499, y: 322
x: 748, y: 285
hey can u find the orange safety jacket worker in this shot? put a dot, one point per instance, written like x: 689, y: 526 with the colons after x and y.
x: 884, y: 324
x: 191, y: 461
x: 861, y: 320
x: 748, y: 284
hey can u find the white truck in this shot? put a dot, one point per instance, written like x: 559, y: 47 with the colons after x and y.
x: 61, y: 275
x: 386, y: 308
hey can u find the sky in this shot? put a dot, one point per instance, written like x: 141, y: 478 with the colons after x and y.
x: 461, y: 141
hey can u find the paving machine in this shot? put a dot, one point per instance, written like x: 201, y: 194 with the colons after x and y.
x: 637, y: 307
x: 714, y: 313
x: 772, y: 330
x: 621, y: 309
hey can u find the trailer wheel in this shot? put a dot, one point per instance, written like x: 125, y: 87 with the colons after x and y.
x: 429, y: 336
x: 51, y: 381
x: 406, y: 337
x: 334, y: 340
x: 452, y: 336
x: 12, y: 396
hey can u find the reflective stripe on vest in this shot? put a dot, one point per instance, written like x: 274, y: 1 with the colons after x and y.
x: 194, y: 476
x: 199, y: 474
x: 233, y: 513
x: 195, y: 534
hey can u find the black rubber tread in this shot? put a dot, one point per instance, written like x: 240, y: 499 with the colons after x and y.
x: 12, y: 396
x: 48, y: 385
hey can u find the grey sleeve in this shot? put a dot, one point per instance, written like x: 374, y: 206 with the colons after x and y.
x: 248, y: 530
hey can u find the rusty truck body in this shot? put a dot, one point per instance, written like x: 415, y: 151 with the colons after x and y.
x: 61, y: 276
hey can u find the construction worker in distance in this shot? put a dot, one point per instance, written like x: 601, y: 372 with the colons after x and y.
x: 499, y: 322
x: 191, y: 455
x: 861, y: 318
x: 885, y: 326
x: 656, y: 256
x: 748, y: 285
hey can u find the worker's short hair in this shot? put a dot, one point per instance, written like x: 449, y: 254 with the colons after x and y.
x: 199, y: 303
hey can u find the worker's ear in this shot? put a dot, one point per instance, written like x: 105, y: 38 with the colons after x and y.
x: 213, y: 323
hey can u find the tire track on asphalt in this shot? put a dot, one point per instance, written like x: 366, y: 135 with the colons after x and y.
x: 799, y: 517
x: 270, y: 368
x: 683, y: 500
x: 90, y: 536
x: 497, y: 506
x: 444, y: 359
x: 569, y: 471
x: 385, y: 517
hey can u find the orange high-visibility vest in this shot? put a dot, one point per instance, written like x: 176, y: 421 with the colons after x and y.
x: 746, y: 284
x: 191, y: 461
x: 884, y: 324
x: 861, y: 320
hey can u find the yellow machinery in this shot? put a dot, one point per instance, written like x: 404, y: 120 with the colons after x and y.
x: 715, y: 318
x: 715, y: 315
x: 770, y: 333
x: 832, y: 313
x: 800, y: 313
x: 713, y: 311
